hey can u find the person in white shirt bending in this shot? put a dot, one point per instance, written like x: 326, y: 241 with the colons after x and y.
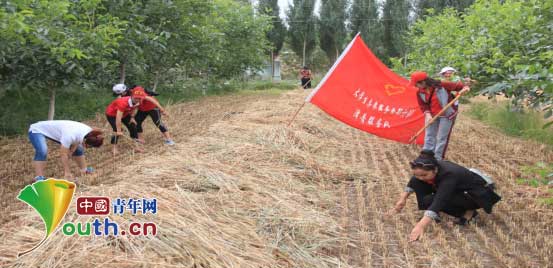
x: 72, y: 136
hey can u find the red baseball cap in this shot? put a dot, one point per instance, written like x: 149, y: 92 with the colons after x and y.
x: 417, y: 77
x: 138, y: 93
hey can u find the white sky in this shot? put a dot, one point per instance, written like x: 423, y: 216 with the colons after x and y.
x: 283, y: 4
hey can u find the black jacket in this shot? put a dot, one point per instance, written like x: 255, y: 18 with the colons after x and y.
x: 453, y: 179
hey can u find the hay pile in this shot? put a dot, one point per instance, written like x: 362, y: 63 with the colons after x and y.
x: 249, y: 193
x: 245, y: 191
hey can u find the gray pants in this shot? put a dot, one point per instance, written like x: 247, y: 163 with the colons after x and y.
x: 437, y: 135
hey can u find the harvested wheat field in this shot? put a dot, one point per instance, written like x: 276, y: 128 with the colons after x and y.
x: 240, y: 189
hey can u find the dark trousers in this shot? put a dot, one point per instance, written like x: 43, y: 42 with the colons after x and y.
x: 155, y: 114
x: 126, y: 121
x: 306, y: 82
x: 456, y: 206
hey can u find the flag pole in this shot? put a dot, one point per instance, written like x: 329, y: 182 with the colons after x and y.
x: 296, y: 114
x: 434, y: 118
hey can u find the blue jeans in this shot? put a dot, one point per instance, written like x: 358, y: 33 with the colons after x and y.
x: 437, y: 135
x: 41, y: 148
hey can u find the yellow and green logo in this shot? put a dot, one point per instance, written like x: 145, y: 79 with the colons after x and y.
x: 51, y: 199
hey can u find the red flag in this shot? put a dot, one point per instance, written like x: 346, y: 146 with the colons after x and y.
x: 362, y: 92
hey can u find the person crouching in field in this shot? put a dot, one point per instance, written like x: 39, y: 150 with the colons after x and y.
x: 432, y: 96
x: 150, y: 107
x: 73, y: 138
x: 443, y: 186
x: 122, y: 110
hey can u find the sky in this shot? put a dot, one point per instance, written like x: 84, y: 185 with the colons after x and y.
x: 283, y: 4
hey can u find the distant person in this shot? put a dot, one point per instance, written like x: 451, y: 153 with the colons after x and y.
x: 306, y: 76
x: 432, y: 96
x: 150, y: 107
x: 449, y: 74
x: 121, y: 90
x: 443, y: 186
x: 122, y: 111
x: 73, y: 138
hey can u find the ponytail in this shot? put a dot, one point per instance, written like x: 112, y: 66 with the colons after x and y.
x: 425, y: 160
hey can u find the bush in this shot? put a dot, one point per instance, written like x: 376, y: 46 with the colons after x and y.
x: 513, y: 121
x: 20, y: 108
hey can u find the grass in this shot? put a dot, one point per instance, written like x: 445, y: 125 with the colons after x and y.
x: 268, y: 85
x: 20, y: 108
x: 537, y: 175
x: 520, y: 123
x: 526, y: 124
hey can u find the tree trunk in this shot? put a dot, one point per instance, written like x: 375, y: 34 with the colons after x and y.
x: 156, y: 81
x: 204, y: 86
x: 272, y: 65
x: 405, y: 59
x: 52, y: 106
x: 122, y: 72
x: 184, y: 73
x: 304, y: 47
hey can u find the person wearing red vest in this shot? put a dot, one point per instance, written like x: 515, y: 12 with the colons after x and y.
x: 306, y: 76
x: 151, y: 107
x: 122, y: 110
x: 432, y: 96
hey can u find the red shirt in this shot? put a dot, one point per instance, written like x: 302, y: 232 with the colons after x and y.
x: 120, y: 104
x: 434, y: 106
x: 305, y: 73
x: 147, y: 105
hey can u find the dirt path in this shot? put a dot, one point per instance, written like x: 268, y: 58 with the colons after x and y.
x: 313, y: 195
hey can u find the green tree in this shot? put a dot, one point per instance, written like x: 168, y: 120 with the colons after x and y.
x: 332, y: 28
x: 364, y: 19
x: 277, y: 33
x: 171, y: 25
x: 237, y: 39
x: 49, y: 45
x: 396, y: 21
x: 506, y: 45
x: 302, y: 28
x: 437, y: 6
x: 130, y: 52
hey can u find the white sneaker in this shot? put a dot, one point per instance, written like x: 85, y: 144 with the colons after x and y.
x: 169, y: 142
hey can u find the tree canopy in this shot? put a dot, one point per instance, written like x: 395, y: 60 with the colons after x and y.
x: 506, y: 45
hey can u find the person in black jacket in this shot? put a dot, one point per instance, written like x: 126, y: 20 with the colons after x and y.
x: 443, y: 186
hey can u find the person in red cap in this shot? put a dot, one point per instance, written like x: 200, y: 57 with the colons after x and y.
x: 432, y: 96
x: 150, y: 107
x: 122, y: 110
